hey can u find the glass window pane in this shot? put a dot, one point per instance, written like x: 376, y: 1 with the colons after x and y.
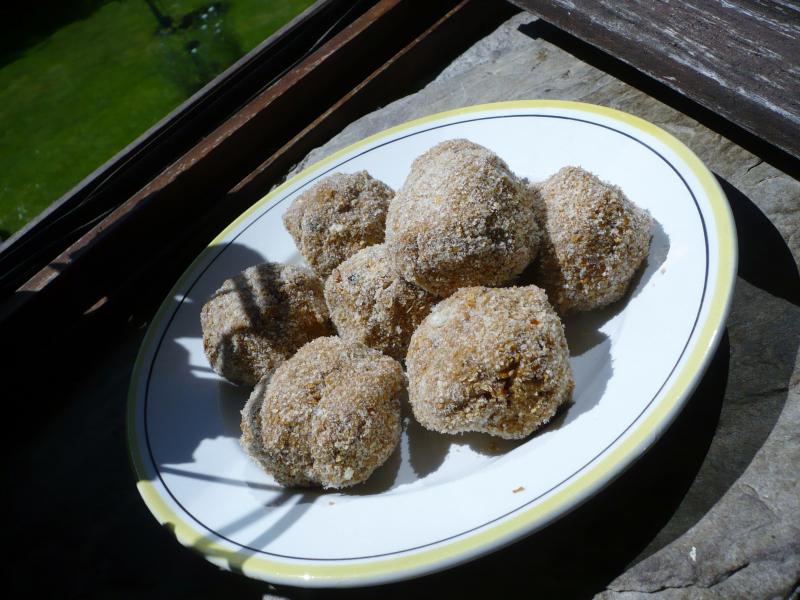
x: 80, y: 79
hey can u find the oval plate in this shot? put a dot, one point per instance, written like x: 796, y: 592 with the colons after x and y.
x: 442, y: 500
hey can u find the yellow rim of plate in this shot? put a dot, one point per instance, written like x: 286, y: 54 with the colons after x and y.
x: 471, y: 545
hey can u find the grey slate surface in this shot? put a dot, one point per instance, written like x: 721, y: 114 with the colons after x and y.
x: 736, y: 533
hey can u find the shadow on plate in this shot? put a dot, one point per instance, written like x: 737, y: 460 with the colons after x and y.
x: 298, y: 503
x: 422, y: 452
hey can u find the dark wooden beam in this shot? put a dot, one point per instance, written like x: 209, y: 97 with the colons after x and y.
x: 738, y: 58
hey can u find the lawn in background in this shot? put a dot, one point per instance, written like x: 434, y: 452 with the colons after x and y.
x: 81, y: 94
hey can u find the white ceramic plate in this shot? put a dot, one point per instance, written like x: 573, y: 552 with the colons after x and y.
x: 442, y: 500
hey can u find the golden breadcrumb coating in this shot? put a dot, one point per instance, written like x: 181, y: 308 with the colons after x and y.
x: 337, y: 217
x: 461, y: 218
x: 594, y: 239
x: 492, y: 360
x: 372, y: 304
x: 260, y: 317
x: 329, y: 416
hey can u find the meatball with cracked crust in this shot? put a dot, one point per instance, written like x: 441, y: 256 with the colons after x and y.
x: 329, y: 416
x: 370, y: 303
x: 492, y: 360
x: 594, y: 239
x: 461, y: 218
x: 260, y: 317
x: 337, y: 217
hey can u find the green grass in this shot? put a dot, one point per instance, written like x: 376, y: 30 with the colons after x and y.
x: 71, y: 102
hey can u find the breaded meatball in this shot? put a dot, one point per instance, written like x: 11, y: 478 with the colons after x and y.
x: 337, y: 217
x: 370, y: 303
x: 461, y: 218
x: 260, y: 317
x: 329, y: 416
x: 492, y: 360
x: 594, y: 239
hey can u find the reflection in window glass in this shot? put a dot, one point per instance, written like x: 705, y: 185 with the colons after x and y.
x: 83, y: 78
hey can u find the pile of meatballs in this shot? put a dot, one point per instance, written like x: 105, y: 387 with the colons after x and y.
x: 426, y: 276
